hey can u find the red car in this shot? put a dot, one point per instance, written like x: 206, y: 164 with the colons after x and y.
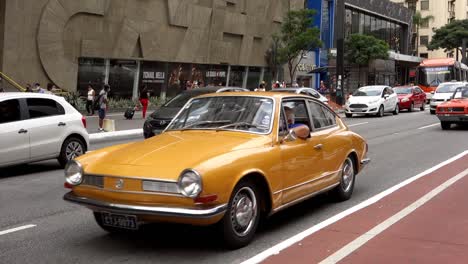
x: 410, y: 97
x: 454, y: 111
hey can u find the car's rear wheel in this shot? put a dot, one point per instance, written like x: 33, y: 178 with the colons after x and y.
x: 397, y: 110
x: 445, y: 125
x: 423, y: 107
x: 344, y: 190
x: 433, y: 112
x: 381, y: 111
x: 72, y: 147
x: 242, y: 216
x: 411, y: 108
x: 348, y: 115
x: 110, y: 229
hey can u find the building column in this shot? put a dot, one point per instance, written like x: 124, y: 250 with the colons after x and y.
x: 107, y: 71
x: 262, y: 75
x: 246, y: 75
x: 228, y: 76
x: 136, y: 79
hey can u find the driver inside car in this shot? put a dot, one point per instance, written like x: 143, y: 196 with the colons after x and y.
x: 291, y: 117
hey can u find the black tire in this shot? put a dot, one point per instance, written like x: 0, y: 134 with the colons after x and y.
x: 381, y: 111
x: 445, y: 125
x: 423, y: 107
x: 236, y: 234
x: 433, y: 112
x: 110, y: 229
x: 348, y: 115
x: 397, y: 110
x: 71, y: 148
x: 411, y: 108
x: 344, y: 190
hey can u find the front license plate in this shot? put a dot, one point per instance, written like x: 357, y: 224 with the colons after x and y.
x: 120, y: 221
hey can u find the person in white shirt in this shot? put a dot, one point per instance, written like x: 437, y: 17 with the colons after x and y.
x: 90, y: 100
x: 103, y: 105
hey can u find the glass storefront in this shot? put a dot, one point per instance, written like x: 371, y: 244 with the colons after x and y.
x: 180, y: 75
x: 253, y: 79
x: 122, y: 77
x: 90, y: 71
x: 154, y: 75
x: 237, y: 76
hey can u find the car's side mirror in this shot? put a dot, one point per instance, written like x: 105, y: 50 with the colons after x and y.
x: 386, y: 96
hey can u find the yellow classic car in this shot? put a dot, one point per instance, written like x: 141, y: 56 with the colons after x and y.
x: 225, y: 159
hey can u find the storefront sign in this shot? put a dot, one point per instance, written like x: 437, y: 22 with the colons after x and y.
x: 153, y: 77
x: 305, y: 67
x: 211, y: 74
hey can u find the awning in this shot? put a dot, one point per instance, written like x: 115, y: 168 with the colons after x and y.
x: 404, y: 58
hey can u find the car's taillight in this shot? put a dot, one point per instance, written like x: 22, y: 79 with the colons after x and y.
x: 83, y: 119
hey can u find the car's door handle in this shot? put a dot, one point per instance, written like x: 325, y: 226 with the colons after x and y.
x: 22, y: 131
x: 318, y: 147
x: 62, y: 124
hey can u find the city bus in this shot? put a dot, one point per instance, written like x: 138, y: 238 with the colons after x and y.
x: 431, y: 72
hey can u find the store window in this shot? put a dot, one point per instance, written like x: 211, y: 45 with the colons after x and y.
x: 216, y: 75
x: 121, y: 78
x: 253, y: 79
x: 180, y: 78
x: 424, y: 40
x: 154, y: 75
x: 424, y: 4
x: 90, y: 71
x: 236, y: 77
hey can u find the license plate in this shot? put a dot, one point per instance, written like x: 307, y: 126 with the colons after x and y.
x: 120, y: 221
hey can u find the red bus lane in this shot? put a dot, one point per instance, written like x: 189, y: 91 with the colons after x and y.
x: 425, y: 221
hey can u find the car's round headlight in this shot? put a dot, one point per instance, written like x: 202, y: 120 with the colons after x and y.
x: 190, y: 183
x: 73, y: 173
x: 404, y: 100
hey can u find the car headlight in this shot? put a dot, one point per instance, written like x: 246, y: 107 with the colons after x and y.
x: 404, y: 100
x: 190, y: 183
x: 73, y: 173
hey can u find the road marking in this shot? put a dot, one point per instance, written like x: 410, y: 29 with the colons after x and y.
x: 15, y: 229
x: 363, y: 239
x: 358, y: 124
x: 424, y: 127
x: 298, y: 237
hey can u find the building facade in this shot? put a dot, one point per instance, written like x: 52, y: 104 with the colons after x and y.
x: 126, y: 43
x: 443, y: 12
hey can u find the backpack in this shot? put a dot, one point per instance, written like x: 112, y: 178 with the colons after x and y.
x: 97, y: 103
x: 129, y: 113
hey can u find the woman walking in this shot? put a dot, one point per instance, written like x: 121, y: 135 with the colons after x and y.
x: 144, y: 95
x: 90, y: 100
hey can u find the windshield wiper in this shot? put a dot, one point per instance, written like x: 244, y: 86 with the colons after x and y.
x: 238, y: 124
x: 204, y: 123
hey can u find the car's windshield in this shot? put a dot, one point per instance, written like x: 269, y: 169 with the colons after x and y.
x: 241, y: 113
x: 433, y: 76
x: 181, y: 99
x: 403, y: 90
x: 448, y: 87
x: 368, y: 91
x: 461, y: 93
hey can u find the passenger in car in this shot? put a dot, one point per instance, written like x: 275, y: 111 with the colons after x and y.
x: 291, y: 118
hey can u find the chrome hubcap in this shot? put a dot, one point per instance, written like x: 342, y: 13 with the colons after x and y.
x: 243, y: 211
x: 73, y: 150
x: 348, y: 175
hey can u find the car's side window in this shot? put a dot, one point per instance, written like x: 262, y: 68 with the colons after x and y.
x: 10, y: 111
x: 322, y: 117
x: 296, y: 113
x: 40, y: 107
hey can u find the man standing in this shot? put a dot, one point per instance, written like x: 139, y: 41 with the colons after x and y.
x: 103, y: 105
x: 90, y: 100
x: 38, y: 88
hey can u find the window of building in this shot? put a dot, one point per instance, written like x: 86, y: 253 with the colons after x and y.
x: 424, y: 55
x: 425, y: 24
x: 355, y: 22
x: 424, y: 40
x: 90, y: 71
x: 121, y: 78
x: 153, y: 74
x: 424, y: 4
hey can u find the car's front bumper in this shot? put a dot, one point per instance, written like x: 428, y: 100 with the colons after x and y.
x: 460, y: 118
x: 370, y: 109
x: 160, y: 211
x: 434, y: 105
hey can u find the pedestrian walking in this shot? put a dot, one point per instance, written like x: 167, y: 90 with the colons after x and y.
x: 29, y: 88
x: 102, y: 101
x: 144, y: 96
x: 90, y: 100
x: 2, y: 90
x: 38, y: 88
x: 49, y: 89
x: 261, y: 88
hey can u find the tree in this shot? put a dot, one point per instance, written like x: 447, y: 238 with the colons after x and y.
x: 296, y: 38
x: 451, y: 36
x: 361, y: 49
x: 418, y: 21
x: 271, y: 57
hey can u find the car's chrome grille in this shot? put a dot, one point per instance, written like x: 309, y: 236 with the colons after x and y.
x: 159, y: 123
x: 358, y: 106
x: 93, y: 180
x: 159, y: 186
x: 452, y: 109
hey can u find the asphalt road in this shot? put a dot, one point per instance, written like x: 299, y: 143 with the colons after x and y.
x: 400, y: 147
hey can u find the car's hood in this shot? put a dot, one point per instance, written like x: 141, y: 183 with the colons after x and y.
x: 401, y: 96
x: 165, y: 113
x: 165, y: 156
x: 363, y: 99
x: 456, y: 103
x: 444, y: 96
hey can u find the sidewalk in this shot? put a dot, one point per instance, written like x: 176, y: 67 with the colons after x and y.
x: 425, y: 221
x: 124, y: 129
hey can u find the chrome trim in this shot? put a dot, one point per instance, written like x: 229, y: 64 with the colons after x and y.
x: 81, y: 172
x: 133, y: 192
x: 284, y: 206
x: 145, y: 210
x: 364, y: 162
x: 199, y: 178
x: 131, y: 178
x: 307, y: 182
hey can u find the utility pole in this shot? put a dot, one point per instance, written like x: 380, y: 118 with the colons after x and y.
x: 339, y: 42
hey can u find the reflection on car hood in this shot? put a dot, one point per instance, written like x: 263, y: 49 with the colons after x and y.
x: 444, y: 96
x: 456, y: 103
x: 362, y: 99
x: 165, y: 113
x: 167, y: 155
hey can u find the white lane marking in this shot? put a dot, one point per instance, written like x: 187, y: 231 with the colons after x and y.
x: 424, y: 127
x: 296, y: 238
x: 15, y: 229
x: 358, y: 124
x: 363, y: 239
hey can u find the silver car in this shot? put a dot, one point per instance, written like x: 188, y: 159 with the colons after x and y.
x: 304, y: 90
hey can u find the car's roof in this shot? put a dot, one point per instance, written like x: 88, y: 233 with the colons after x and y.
x: 292, y: 89
x: 276, y: 95
x: 27, y: 95
x: 406, y: 86
x: 210, y: 89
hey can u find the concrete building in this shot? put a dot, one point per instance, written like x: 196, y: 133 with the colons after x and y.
x: 126, y: 43
x: 443, y: 11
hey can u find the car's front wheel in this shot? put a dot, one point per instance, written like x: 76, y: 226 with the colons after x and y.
x: 397, y: 110
x: 411, y: 109
x: 445, y: 125
x: 423, y: 107
x: 72, y: 147
x: 242, y: 216
x: 381, y: 111
x: 344, y: 190
x: 348, y: 115
x: 432, y: 112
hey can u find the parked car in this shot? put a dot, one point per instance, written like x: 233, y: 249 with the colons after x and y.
x: 372, y: 100
x: 410, y: 97
x: 454, y: 111
x: 225, y: 159
x: 159, y: 119
x: 35, y: 127
x: 307, y: 91
x: 443, y: 93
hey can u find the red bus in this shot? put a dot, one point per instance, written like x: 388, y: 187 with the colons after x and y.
x: 431, y: 72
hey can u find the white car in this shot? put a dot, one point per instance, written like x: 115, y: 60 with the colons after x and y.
x: 372, y: 100
x: 304, y: 90
x: 35, y: 127
x: 443, y: 93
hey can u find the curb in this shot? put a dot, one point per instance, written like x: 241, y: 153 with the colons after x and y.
x: 115, y: 135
